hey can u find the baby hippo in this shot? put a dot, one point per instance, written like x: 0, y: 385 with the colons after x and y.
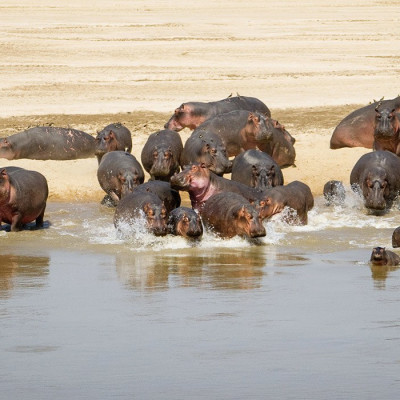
x: 381, y: 256
x: 23, y: 197
x: 229, y: 214
x: 118, y: 173
x: 135, y: 205
x: 184, y: 221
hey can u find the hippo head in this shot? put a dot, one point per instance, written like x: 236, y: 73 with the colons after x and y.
x: 192, y: 177
x: 129, y: 181
x: 376, y: 191
x: 156, y: 218
x: 248, y: 222
x: 261, y: 177
x: 387, y: 123
x: 106, y: 141
x: 214, y: 155
x: 256, y: 124
x: 184, y: 116
x: 4, y: 185
x: 188, y: 224
x: 164, y: 164
x: 334, y: 192
x: 272, y: 203
x: 379, y: 256
x: 6, y: 150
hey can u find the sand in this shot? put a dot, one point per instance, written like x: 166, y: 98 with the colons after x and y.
x: 134, y: 62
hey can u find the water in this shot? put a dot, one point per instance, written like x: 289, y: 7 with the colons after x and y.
x: 88, y: 313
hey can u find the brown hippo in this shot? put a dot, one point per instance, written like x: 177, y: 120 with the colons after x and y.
x: 23, y: 197
x: 118, y: 173
x: 184, y: 221
x: 357, y: 128
x: 381, y: 256
x: 138, y: 204
x: 376, y: 177
x: 192, y: 114
x: 278, y: 143
x: 207, y: 148
x: 396, y: 237
x: 161, y: 154
x: 334, y: 192
x: 387, y: 131
x: 230, y: 214
x: 48, y: 143
x: 296, y: 196
x: 256, y: 169
x: 201, y: 184
x: 170, y: 197
x: 113, y: 137
x: 238, y: 129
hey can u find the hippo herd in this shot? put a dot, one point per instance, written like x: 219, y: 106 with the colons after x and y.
x: 234, y: 136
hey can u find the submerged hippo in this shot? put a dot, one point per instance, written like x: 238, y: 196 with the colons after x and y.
x: 396, y: 237
x: 208, y: 148
x: 357, y: 128
x: 296, y: 196
x: 334, y: 192
x: 184, y: 221
x: 23, y: 197
x: 376, y: 176
x: 381, y: 256
x: 201, y: 184
x: 111, y: 138
x: 118, y: 173
x: 48, y: 143
x: 138, y: 204
x: 192, y: 114
x: 387, y: 130
x: 256, y: 169
x: 161, y: 154
x: 230, y: 214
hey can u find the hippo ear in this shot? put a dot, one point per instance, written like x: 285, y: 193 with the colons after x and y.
x: 203, y: 165
x: 5, y: 143
x: 242, y: 212
x: 112, y: 135
x: 3, y: 173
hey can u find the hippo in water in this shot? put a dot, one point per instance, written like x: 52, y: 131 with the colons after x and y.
x: 387, y: 130
x: 118, y: 173
x: 256, y: 169
x: 334, y: 192
x: 111, y: 138
x: 48, y: 143
x: 138, y: 204
x: 208, y: 148
x: 161, y: 154
x: 376, y: 176
x: 357, y: 128
x: 201, y: 184
x: 184, y: 221
x: 296, y: 196
x: 169, y: 196
x: 381, y: 256
x: 23, y: 197
x: 396, y: 237
x: 192, y: 114
x: 230, y: 214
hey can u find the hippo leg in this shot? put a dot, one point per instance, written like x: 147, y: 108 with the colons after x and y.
x: 16, y: 224
x: 39, y: 220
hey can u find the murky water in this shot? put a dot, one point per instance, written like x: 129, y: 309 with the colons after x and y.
x: 86, y: 313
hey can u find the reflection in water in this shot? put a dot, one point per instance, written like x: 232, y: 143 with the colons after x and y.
x: 380, y: 273
x: 29, y: 270
x: 218, y: 269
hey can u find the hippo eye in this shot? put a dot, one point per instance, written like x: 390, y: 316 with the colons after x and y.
x: 155, y: 154
x: 185, y: 219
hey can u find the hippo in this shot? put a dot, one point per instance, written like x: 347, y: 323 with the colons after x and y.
x: 161, y: 154
x: 256, y: 169
x: 277, y: 142
x: 230, y: 214
x: 184, y: 221
x: 334, y: 192
x: 23, y: 197
x: 48, y: 143
x: 396, y: 237
x: 118, y: 173
x: 192, y: 114
x: 113, y: 137
x: 137, y: 204
x: 387, y: 130
x: 207, y: 148
x: 381, y: 256
x: 238, y: 129
x: 357, y: 128
x: 376, y: 177
x: 201, y: 183
x: 170, y: 197
x: 296, y: 196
